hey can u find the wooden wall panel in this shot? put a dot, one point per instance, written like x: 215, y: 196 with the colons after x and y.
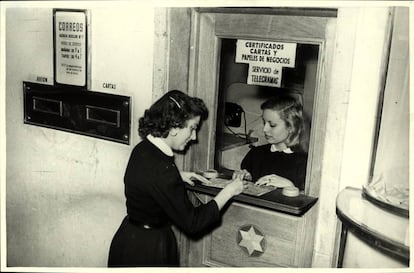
x: 271, y: 27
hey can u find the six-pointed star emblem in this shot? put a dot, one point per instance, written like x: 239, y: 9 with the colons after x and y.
x: 251, y: 240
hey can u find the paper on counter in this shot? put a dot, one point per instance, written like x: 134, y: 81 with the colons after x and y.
x: 250, y: 190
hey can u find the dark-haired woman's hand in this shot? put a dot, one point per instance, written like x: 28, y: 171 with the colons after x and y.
x: 237, y: 185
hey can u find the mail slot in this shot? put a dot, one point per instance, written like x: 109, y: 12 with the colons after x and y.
x: 47, y: 106
x: 95, y: 114
x: 103, y: 115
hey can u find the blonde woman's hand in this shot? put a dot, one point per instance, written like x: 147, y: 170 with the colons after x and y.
x: 275, y: 181
x: 188, y: 176
x: 244, y: 174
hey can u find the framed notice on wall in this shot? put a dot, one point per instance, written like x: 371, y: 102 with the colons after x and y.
x: 70, y: 47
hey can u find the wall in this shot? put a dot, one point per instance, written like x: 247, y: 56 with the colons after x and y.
x: 371, y: 42
x: 360, y: 51
x: 64, y: 197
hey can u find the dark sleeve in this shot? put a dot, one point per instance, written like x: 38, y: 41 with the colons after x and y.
x: 172, y: 197
x: 247, y: 162
x: 301, y: 172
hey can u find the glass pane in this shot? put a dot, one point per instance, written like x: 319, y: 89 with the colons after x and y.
x: 390, y: 178
x: 240, y: 126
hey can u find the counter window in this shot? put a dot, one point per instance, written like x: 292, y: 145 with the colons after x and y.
x: 240, y: 121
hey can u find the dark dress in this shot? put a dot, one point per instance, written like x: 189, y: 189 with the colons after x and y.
x: 156, y: 197
x: 260, y: 161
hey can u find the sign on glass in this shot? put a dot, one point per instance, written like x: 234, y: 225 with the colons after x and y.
x: 265, y: 60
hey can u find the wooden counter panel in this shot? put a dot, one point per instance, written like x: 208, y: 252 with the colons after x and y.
x: 269, y: 238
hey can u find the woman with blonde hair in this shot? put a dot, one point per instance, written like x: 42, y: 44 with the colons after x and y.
x: 282, y: 161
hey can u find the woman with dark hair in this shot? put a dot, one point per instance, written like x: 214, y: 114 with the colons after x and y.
x: 281, y: 162
x: 155, y: 194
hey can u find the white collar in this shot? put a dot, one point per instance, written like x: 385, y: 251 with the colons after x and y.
x: 160, y: 144
x: 287, y: 150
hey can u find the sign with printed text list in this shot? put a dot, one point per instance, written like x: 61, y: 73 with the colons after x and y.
x: 70, y: 30
x: 266, y: 60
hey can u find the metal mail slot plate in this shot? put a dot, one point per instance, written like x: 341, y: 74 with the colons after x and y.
x: 94, y: 114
